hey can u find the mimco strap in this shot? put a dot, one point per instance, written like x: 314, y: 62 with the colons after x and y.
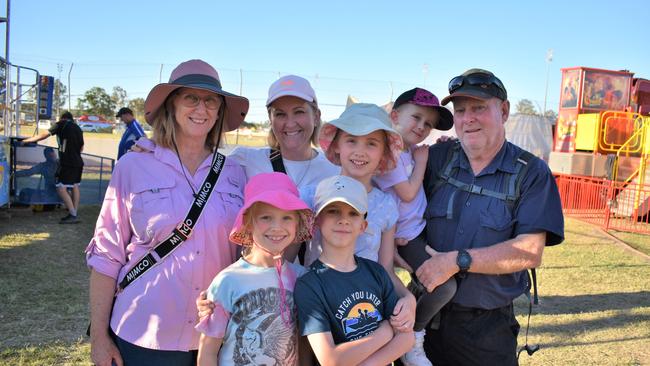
x: 183, y: 230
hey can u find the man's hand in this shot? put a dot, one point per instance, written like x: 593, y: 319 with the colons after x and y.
x: 437, y: 269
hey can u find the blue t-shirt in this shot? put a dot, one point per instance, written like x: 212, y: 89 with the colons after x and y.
x: 480, y: 221
x: 133, y: 132
x: 350, y: 305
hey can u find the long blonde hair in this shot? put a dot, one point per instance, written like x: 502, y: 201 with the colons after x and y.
x: 164, y: 124
x: 273, y: 141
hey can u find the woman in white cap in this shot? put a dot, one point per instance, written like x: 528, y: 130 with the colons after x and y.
x: 295, y: 121
x: 162, y: 233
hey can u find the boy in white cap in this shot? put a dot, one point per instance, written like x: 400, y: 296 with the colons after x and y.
x: 345, y: 302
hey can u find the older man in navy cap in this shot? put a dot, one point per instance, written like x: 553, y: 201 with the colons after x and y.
x: 492, y: 207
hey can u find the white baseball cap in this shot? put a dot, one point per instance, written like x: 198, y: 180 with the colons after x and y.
x: 340, y: 188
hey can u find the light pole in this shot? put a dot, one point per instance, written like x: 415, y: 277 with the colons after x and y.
x: 59, y: 68
x: 549, y: 58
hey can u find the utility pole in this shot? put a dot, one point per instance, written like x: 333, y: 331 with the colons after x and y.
x: 59, y: 67
x: 549, y: 58
x: 69, y: 88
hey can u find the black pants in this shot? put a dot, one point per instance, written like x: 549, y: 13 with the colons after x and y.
x: 429, y: 303
x: 133, y: 355
x: 470, y: 336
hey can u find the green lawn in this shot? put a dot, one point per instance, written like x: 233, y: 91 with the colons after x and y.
x: 594, y: 307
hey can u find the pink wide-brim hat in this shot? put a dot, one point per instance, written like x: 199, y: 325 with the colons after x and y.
x: 197, y: 74
x: 278, y: 190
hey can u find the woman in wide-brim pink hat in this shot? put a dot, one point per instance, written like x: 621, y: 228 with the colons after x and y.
x: 152, y: 319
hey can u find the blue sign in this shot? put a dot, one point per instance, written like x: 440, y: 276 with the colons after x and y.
x: 4, y: 171
x: 46, y: 94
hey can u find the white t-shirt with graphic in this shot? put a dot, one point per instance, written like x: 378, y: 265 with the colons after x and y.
x: 247, y: 315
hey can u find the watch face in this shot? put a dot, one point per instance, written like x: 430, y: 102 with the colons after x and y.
x: 464, y: 260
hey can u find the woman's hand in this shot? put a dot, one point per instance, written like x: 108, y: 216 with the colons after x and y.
x: 103, y: 352
x: 403, y: 318
x: 204, y: 306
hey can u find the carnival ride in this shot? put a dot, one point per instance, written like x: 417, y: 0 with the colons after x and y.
x: 602, y: 143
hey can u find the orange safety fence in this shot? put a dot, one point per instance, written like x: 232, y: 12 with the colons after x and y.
x: 609, y: 204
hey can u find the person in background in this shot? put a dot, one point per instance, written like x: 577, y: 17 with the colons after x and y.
x: 71, y: 142
x: 151, y: 321
x: 47, y: 169
x: 132, y: 133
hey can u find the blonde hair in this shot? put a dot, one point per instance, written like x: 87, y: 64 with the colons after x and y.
x: 303, y: 229
x: 273, y: 141
x: 164, y: 124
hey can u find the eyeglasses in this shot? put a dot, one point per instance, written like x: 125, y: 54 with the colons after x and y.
x: 192, y: 100
x: 479, y: 79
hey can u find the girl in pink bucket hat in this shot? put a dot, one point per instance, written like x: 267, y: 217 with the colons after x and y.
x: 254, y: 316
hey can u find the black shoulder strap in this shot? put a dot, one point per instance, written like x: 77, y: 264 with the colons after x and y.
x: 445, y: 172
x: 183, y: 230
x: 276, y: 161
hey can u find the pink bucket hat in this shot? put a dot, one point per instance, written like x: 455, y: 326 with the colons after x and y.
x: 358, y: 120
x: 278, y: 190
x: 197, y: 74
x: 291, y: 85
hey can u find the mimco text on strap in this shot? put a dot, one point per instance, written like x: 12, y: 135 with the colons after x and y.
x: 182, y: 231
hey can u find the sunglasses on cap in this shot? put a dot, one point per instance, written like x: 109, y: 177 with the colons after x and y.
x: 192, y: 100
x: 481, y: 80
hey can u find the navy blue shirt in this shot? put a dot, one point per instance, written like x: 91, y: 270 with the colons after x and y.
x: 480, y: 221
x: 350, y: 305
x: 133, y: 132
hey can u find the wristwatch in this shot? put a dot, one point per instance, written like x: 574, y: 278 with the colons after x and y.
x: 464, y: 261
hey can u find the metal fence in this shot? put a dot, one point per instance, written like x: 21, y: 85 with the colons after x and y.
x: 95, y: 177
x: 609, y: 204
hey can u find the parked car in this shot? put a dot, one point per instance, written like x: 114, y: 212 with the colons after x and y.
x: 95, y: 127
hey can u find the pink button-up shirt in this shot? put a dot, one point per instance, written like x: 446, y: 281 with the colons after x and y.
x: 146, y: 198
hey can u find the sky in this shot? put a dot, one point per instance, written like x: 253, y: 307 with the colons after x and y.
x: 372, y: 50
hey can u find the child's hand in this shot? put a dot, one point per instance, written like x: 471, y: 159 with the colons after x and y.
x: 421, y: 154
x: 401, y: 242
x: 398, y: 261
x: 403, y: 317
x: 203, y: 305
x: 444, y: 138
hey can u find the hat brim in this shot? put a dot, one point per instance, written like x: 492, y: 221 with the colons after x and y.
x: 360, y: 125
x: 289, y: 93
x: 469, y: 92
x: 446, y: 119
x: 339, y: 199
x: 280, y: 199
x: 236, y: 106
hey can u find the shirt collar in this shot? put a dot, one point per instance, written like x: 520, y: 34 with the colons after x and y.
x: 504, y: 160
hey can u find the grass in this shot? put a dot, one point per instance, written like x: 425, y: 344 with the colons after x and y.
x: 594, y: 296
